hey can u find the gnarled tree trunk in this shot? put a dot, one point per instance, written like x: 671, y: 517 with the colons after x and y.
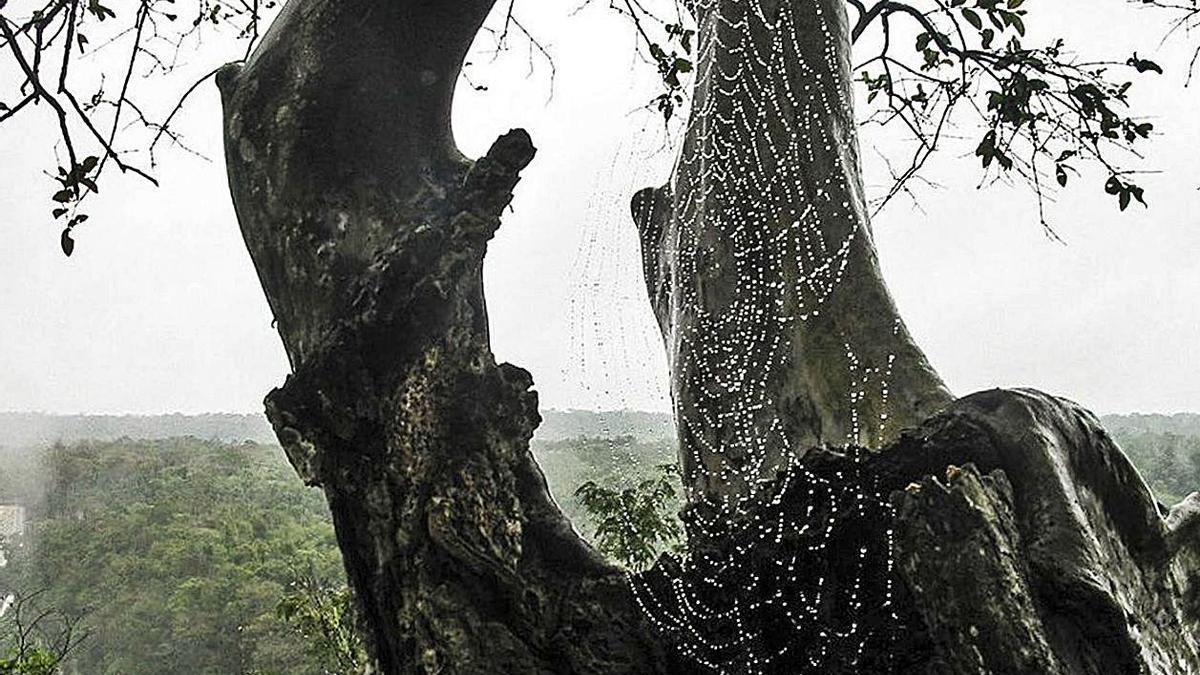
x: 1019, y: 539
x: 368, y: 229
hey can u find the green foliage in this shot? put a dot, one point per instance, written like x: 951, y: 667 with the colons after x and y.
x: 43, y: 41
x: 34, y: 640
x: 323, y: 614
x: 634, y: 524
x: 613, y: 461
x: 1041, y: 111
x: 618, y: 491
x: 182, y: 555
x: 1169, y: 462
x: 671, y: 64
x: 33, y: 661
x: 177, y: 552
x: 667, y: 44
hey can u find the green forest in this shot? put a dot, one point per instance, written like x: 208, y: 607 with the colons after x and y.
x: 191, y: 556
x: 173, y: 554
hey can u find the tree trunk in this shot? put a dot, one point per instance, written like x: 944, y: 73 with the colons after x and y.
x: 368, y: 230
x: 1013, y: 536
x: 759, y: 261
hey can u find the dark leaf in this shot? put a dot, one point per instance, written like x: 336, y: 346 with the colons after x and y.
x: 68, y: 244
x: 1144, y: 65
x: 972, y: 18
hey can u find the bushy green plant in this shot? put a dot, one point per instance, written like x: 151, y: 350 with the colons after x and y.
x: 634, y: 525
x: 178, y: 551
x: 323, y: 614
x: 32, y: 661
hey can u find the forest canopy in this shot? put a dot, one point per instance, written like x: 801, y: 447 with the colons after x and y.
x: 158, y: 544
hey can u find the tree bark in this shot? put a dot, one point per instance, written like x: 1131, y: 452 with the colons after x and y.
x: 1013, y: 537
x: 759, y: 261
x: 368, y: 229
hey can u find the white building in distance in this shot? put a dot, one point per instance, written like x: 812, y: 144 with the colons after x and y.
x: 12, y: 526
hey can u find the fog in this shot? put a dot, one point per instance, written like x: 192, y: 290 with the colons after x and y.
x: 159, y: 310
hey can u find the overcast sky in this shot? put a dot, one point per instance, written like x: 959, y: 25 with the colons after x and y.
x: 159, y: 310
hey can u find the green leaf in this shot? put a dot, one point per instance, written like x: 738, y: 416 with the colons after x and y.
x: 67, y: 243
x: 1139, y: 194
x: 1016, y: 23
x: 972, y: 18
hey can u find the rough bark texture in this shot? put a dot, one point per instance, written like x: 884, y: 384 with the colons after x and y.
x: 1047, y: 553
x: 759, y: 261
x: 368, y: 231
x: 1023, y: 542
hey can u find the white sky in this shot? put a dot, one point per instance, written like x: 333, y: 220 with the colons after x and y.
x: 159, y: 310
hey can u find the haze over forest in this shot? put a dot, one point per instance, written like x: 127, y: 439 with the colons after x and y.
x: 1166, y: 448
x: 1109, y: 319
x: 335, y: 258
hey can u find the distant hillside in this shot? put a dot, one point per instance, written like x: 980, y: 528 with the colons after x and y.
x: 18, y: 430
x: 1164, y: 448
x: 38, y: 429
x: 1180, y: 424
x: 644, y: 426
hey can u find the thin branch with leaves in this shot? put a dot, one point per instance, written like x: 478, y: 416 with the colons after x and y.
x: 44, y: 44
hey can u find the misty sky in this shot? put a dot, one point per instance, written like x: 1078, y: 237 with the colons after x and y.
x: 159, y: 309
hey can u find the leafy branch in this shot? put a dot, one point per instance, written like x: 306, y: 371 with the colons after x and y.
x: 634, y: 524
x: 35, y: 641
x: 667, y: 44
x: 45, y: 43
x: 1041, y: 112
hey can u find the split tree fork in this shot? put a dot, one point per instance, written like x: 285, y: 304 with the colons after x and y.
x: 368, y: 229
